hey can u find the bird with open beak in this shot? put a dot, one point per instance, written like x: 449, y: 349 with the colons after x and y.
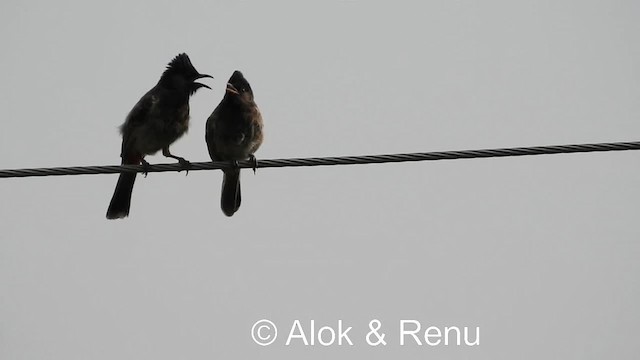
x: 234, y: 133
x: 159, y: 118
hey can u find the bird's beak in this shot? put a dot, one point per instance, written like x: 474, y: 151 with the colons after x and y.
x: 197, y: 85
x: 232, y: 89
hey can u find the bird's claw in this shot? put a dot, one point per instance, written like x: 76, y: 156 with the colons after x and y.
x: 253, y: 159
x: 145, y: 167
x: 185, y: 164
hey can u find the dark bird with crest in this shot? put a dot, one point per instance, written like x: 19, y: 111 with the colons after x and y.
x: 234, y: 133
x: 159, y: 118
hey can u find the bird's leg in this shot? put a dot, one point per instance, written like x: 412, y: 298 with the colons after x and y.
x: 255, y: 162
x: 145, y: 167
x: 186, y: 165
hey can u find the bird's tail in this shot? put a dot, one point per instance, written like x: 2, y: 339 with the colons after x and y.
x: 121, y: 199
x: 230, y: 201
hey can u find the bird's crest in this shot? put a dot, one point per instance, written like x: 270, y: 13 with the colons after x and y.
x: 180, y: 64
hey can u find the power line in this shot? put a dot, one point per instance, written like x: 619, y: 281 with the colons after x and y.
x: 325, y: 161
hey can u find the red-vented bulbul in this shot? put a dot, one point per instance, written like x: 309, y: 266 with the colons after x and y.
x: 159, y: 118
x: 233, y: 133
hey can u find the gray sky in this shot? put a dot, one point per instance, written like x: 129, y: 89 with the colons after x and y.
x: 539, y: 252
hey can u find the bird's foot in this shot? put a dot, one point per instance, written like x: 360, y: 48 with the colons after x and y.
x: 253, y: 159
x: 185, y: 164
x: 145, y: 167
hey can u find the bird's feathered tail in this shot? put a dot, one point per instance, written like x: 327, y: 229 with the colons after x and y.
x: 121, y: 199
x: 230, y: 201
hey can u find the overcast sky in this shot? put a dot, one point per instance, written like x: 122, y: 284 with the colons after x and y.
x: 541, y: 253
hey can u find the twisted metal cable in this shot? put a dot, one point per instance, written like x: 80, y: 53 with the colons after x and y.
x: 324, y: 161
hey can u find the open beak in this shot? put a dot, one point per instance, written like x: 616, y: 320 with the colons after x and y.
x: 199, y: 85
x: 232, y: 89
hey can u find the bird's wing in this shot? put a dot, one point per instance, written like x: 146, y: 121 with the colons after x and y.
x: 210, y: 133
x: 137, y: 117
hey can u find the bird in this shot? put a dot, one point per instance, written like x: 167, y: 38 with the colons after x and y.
x: 233, y: 133
x: 158, y: 119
